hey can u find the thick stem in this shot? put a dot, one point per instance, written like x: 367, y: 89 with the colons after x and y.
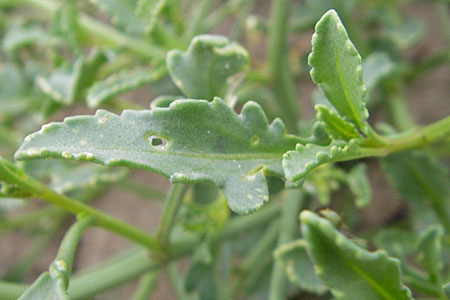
x: 288, y: 227
x: 135, y: 262
x: 277, y: 59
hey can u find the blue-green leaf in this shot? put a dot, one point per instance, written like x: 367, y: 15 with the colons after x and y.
x: 190, y: 141
x: 336, y: 68
x: 204, y: 71
x: 351, y: 272
x: 298, y: 267
x: 121, y: 82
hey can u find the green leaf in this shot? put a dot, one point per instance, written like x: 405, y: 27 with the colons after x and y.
x: 122, y: 14
x: 376, y: 66
x: 150, y: 10
x: 121, y: 82
x: 336, y: 68
x: 65, y: 85
x: 429, y: 247
x: 65, y: 25
x: 359, y: 185
x: 419, y: 176
x: 46, y: 288
x: 397, y: 242
x: 18, y: 37
x: 351, y: 272
x: 206, y: 69
x: 298, y: 267
x: 190, y: 141
x: 336, y: 127
x: 14, y: 92
x: 304, y: 158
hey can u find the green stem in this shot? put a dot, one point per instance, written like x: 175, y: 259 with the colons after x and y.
x: 136, y: 261
x: 173, y: 202
x: 62, y: 264
x: 11, y: 174
x: 101, y: 32
x: 146, y: 286
x: 278, y: 64
x: 288, y: 228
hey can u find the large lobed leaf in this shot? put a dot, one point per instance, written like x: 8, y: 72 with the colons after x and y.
x: 351, y: 272
x: 336, y: 68
x: 189, y: 141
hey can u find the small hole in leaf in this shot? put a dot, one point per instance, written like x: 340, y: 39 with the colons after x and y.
x: 157, y: 142
x: 254, y: 140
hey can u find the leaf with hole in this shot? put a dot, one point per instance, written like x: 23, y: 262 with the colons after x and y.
x: 337, y: 69
x: 351, y: 272
x: 207, y: 68
x: 190, y: 141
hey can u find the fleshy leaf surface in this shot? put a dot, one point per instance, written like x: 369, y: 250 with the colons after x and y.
x: 337, y: 69
x: 190, y: 141
x: 351, y: 272
x: 204, y: 71
x: 298, y: 267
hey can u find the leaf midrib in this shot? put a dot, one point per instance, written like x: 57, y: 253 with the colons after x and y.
x: 344, y: 86
x: 231, y: 156
x: 367, y: 278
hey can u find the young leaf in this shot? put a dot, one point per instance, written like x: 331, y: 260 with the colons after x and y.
x: 304, y: 158
x: 121, y: 82
x: 298, y: 267
x: 190, y: 141
x: 336, y: 127
x: 429, y: 250
x: 65, y: 85
x: 204, y: 70
x: 336, y: 68
x: 351, y: 272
